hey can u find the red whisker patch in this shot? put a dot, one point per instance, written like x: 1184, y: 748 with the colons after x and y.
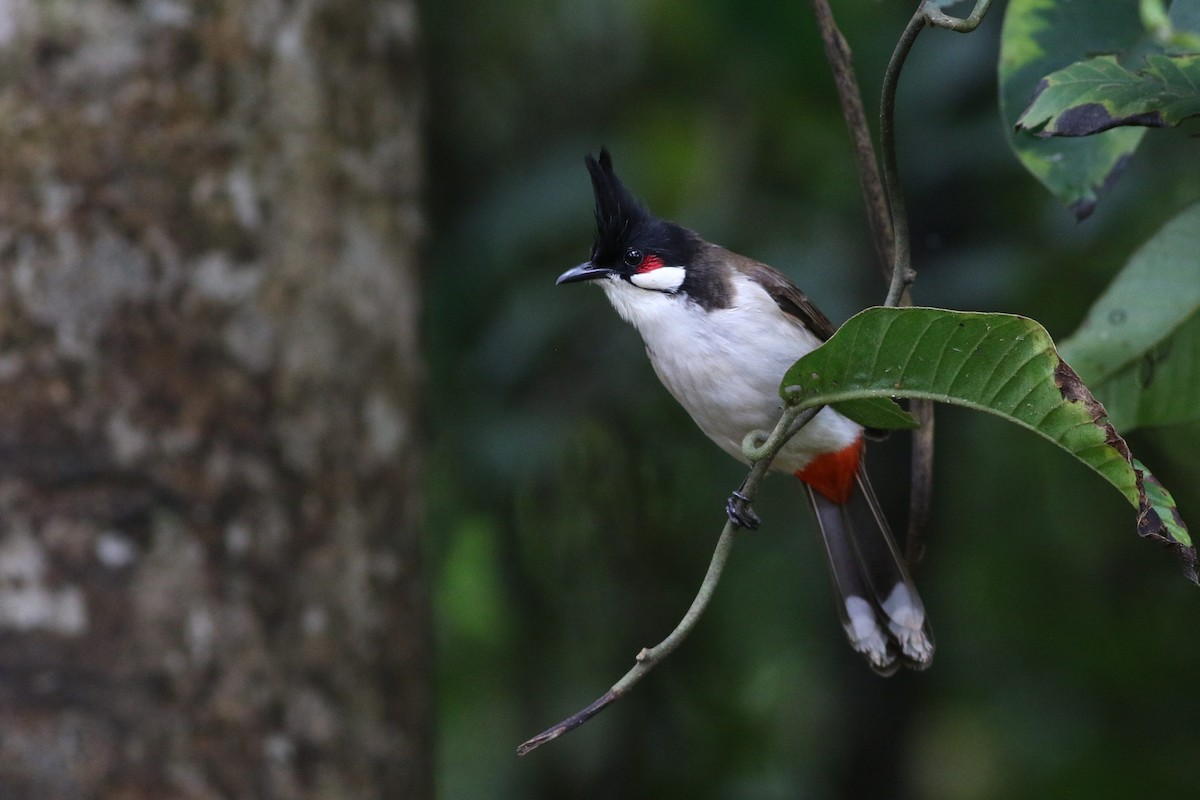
x: 650, y: 263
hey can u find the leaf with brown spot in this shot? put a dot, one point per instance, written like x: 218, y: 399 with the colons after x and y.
x: 1100, y: 93
x: 1039, y: 37
x: 999, y: 363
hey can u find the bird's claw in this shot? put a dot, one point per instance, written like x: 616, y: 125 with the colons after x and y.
x: 740, y: 513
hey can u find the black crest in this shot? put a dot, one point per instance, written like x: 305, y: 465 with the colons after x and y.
x: 618, y: 213
x: 622, y: 221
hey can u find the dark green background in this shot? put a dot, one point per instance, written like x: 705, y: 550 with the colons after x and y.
x: 572, y: 506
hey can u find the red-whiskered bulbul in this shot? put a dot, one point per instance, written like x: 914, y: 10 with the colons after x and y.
x: 721, y: 329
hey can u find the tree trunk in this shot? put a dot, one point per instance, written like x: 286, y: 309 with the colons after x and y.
x: 210, y: 580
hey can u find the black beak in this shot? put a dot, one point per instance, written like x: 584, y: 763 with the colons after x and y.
x: 584, y: 272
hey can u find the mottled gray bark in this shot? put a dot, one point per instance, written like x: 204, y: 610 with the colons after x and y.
x: 210, y: 580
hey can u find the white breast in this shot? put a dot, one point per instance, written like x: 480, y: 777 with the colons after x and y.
x: 724, y: 366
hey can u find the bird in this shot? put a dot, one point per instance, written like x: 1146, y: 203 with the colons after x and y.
x: 721, y: 329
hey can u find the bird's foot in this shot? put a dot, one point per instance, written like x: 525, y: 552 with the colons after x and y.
x: 740, y: 513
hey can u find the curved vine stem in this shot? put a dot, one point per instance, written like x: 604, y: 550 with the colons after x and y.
x: 791, y: 422
x: 942, y: 20
x: 902, y: 271
x: 650, y: 657
x: 926, y: 14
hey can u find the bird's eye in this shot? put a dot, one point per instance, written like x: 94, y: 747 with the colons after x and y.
x: 634, y: 257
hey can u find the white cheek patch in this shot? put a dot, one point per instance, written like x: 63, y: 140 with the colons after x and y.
x: 663, y: 279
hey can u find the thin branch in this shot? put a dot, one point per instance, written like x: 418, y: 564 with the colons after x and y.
x: 649, y: 658
x: 941, y: 20
x: 902, y: 271
x: 841, y: 63
x: 926, y: 14
x: 920, y: 493
x: 761, y: 451
x: 764, y: 453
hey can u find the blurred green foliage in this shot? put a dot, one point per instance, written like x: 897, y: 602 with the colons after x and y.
x: 1139, y: 345
x: 572, y: 506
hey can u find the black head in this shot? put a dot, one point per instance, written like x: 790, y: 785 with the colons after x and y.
x: 629, y: 239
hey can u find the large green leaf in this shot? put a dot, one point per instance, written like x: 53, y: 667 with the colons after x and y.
x: 1099, y: 94
x: 1039, y: 37
x: 998, y: 363
x: 1139, y: 346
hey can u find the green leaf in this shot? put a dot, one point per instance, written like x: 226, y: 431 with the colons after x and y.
x: 1100, y: 94
x: 878, y: 412
x: 1039, y: 37
x: 998, y: 363
x: 1139, y: 345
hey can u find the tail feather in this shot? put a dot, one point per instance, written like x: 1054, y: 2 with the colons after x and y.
x: 879, y: 605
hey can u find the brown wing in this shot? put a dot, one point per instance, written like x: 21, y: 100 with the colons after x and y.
x: 786, y: 295
x: 793, y: 302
